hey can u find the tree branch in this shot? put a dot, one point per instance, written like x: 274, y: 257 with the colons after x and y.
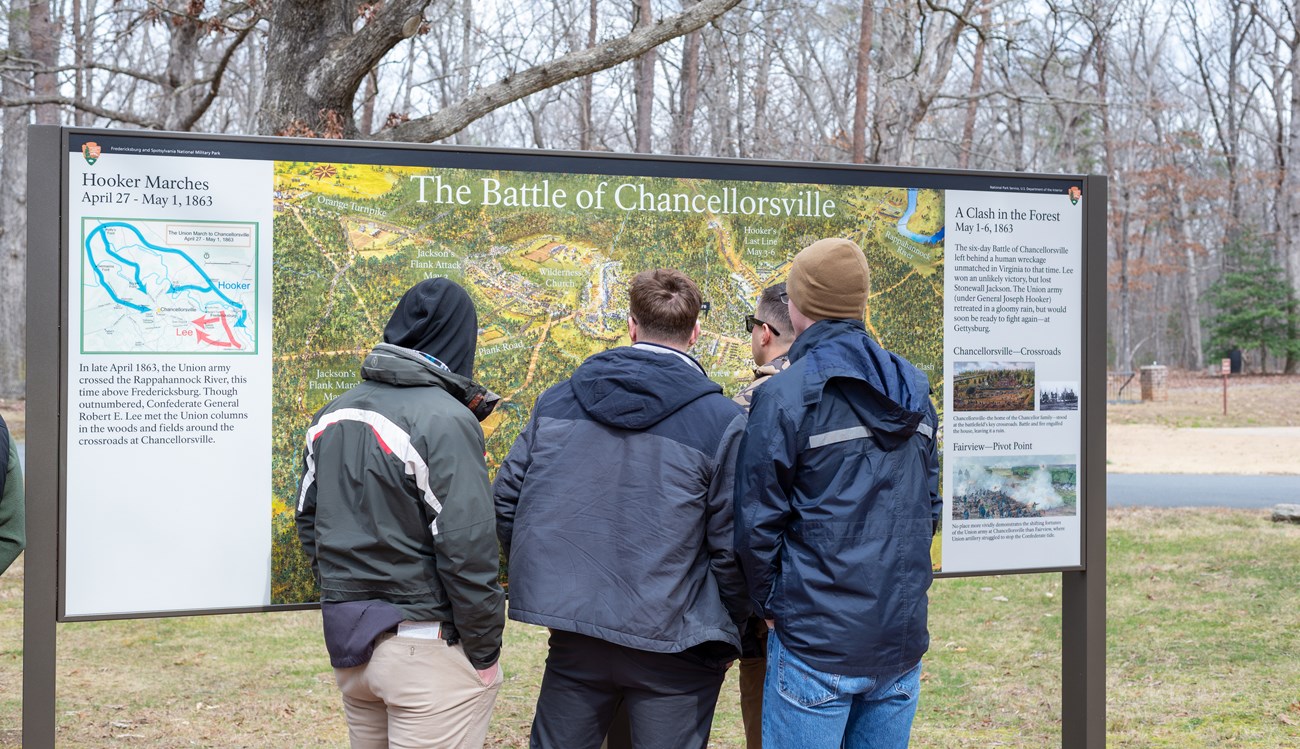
x: 64, y: 101
x: 455, y: 118
x: 202, y: 106
x: 352, y: 56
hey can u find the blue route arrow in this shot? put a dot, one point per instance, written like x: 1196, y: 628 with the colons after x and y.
x: 101, y: 230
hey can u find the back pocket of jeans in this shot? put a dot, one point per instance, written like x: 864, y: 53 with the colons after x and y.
x: 798, y: 682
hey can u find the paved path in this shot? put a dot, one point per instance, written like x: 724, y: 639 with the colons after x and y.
x: 1200, y: 490
x: 1257, y: 451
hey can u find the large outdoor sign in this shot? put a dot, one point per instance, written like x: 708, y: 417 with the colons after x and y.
x: 216, y: 292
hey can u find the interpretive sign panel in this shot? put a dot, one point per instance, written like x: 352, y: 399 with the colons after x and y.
x: 219, y: 291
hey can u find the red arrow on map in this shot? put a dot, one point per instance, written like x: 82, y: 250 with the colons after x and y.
x: 230, y: 336
x: 203, y: 322
x: 204, y: 337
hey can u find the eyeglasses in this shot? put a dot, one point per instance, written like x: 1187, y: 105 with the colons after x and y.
x: 752, y: 322
x: 784, y: 297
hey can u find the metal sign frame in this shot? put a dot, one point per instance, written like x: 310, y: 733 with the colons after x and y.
x: 1083, y: 595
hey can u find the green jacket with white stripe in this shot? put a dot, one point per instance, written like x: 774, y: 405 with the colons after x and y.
x: 395, y: 503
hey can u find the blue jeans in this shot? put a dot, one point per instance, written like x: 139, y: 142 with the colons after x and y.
x: 804, y: 708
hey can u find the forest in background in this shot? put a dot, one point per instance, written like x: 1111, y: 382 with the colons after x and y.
x: 1191, y: 108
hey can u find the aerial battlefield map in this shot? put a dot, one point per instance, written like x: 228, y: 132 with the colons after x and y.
x: 549, y: 279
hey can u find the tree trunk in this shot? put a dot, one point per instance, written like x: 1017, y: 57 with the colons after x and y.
x: 762, y: 75
x: 367, y: 125
x: 1291, y: 183
x: 690, y: 93
x: 44, y: 34
x: 1191, y: 284
x: 315, y: 62
x: 976, y: 81
x: 586, y: 117
x: 13, y: 211
x: 644, y: 84
x: 79, y: 78
x: 1120, y: 241
x: 862, y: 81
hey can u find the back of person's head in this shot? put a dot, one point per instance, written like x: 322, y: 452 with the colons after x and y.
x: 437, y: 317
x: 829, y: 280
x: 774, y: 312
x: 665, y: 305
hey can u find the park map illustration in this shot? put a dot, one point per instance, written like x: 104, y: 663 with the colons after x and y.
x: 550, y: 284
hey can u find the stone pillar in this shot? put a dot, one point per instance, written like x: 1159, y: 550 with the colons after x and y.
x: 1154, y: 383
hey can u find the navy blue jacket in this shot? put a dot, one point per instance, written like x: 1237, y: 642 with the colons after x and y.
x: 614, y: 505
x: 837, y: 490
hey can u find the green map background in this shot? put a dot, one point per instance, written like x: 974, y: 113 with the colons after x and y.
x: 550, y: 287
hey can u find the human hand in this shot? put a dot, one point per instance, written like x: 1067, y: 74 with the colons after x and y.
x: 489, y: 675
x: 771, y: 624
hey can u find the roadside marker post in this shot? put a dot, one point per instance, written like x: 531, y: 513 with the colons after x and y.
x: 1225, y: 368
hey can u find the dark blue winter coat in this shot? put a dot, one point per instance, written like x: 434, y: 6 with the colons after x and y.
x: 614, y: 506
x: 837, y: 493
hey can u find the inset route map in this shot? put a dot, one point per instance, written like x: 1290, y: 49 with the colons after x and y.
x: 153, y: 286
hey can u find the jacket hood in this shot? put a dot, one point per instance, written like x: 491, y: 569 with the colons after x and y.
x: 406, y: 367
x: 636, y: 387
x: 437, y: 317
x: 843, y: 349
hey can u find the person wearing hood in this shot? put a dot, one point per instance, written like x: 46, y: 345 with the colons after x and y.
x: 395, y: 514
x: 837, y: 500
x: 614, y: 508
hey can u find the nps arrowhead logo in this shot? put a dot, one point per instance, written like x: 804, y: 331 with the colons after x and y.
x: 91, y: 151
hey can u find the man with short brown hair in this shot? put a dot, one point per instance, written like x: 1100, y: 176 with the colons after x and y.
x: 665, y: 306
x: 614, y: 507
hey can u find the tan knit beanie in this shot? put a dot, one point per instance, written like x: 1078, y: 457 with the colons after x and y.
x: 829, y: 280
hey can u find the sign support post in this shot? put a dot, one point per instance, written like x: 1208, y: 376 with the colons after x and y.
x: 1083, y: 599
x: 44, y: 442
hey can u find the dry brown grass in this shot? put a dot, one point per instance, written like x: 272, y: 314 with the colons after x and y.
x: 1197, y: 401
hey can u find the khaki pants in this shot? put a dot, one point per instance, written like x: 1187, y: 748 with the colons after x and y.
x: 416, y: 694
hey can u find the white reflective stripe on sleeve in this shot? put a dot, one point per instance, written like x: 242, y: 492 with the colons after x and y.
x: 839, y: 435
x: 309, y: 477
x: 393, y: 440
x: 925, y: 429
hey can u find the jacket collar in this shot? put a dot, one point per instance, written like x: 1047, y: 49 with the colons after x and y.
x: 820, y: 331
x: 404, y: 367
x: 659, y: 348
x: 776, y: 365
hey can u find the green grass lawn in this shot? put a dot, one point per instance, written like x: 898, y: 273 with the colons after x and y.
x: 1204, y: 651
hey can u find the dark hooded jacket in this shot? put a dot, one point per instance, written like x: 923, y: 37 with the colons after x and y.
x: 837, y: 495
x: 395, y: 509
x: 614, y: 505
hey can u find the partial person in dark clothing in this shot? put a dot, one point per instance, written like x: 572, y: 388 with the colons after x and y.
x: 770, y: 336
x: 395, y: 514
x: 614, y: 507
x: 13, y: 515
x: 837, y: 498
